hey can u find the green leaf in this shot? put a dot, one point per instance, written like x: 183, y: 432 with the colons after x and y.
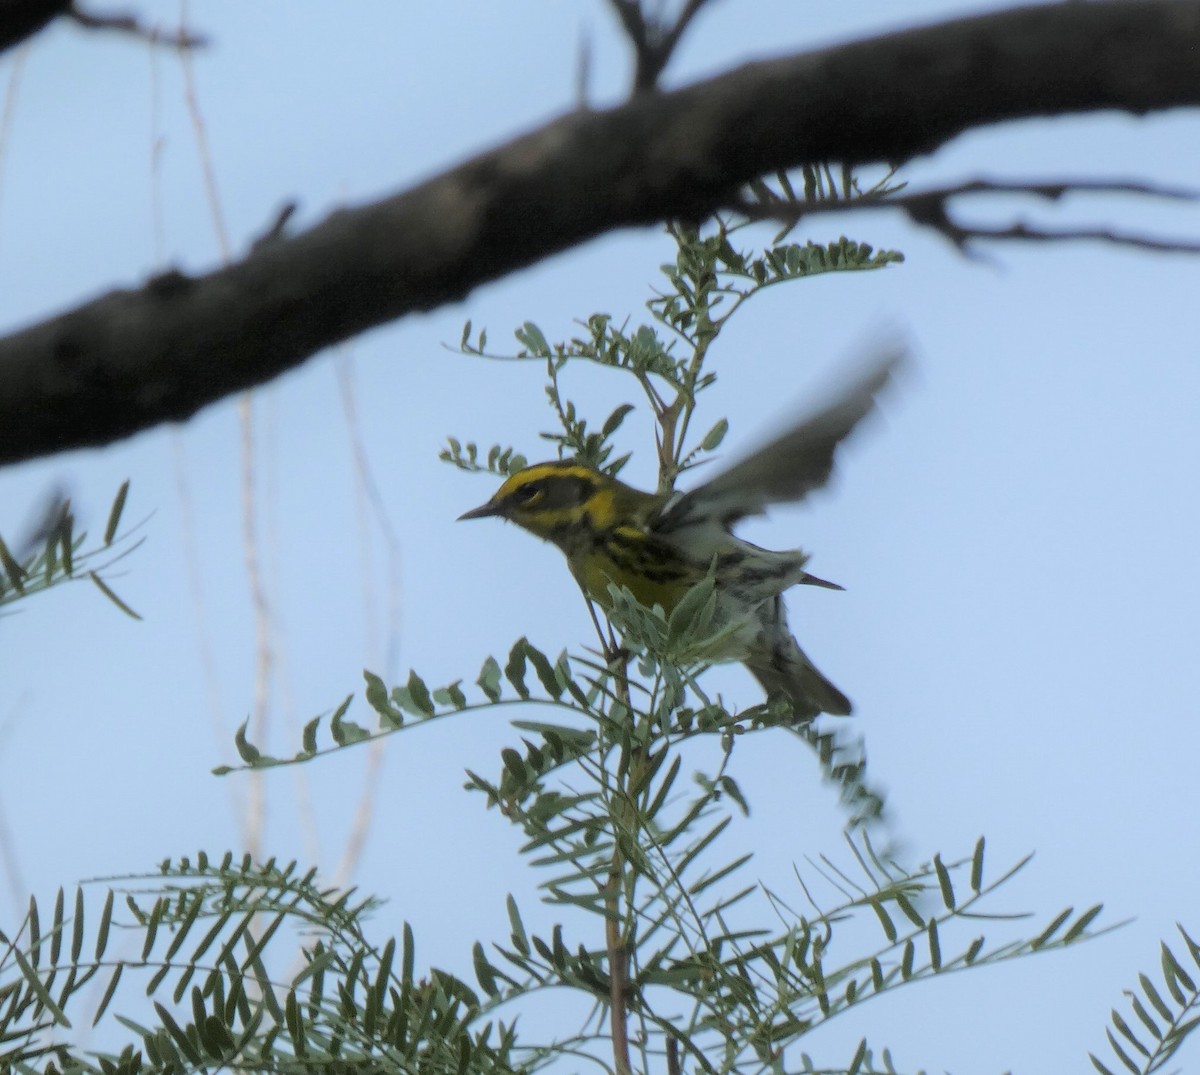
x: 860, y: 1054
x: 693, y: 616
x: 484, y: 974
x: 178, y: 1035
x: 943, y: 876
x: 414, y: 696
x: 450, y: 695
x: 613, y: 422
x: 545, y: 671
x: 977, y: 866
x: 15, y: 572
x: 1042, y: 938
x: 102, y: 930
x: 712, y: 439
x: 973, y: 951
x: 514, y: 763
x: 346, y: 733
x: 1174, y: 974
x: 1082, y: 923
x: 1147, y: 1020
x: 308, y: 738
x: 514, y: 669
x: 520, y: 938
x: 104, y: 589
x: 377, y: 698
x: 247, y: 751
x: 66, y: 523
x: 1155, y: 998
x: 39, y: 990
x: 489, y: 679
x: 730, y: 787
x: 109, y: 993
x: 889, y: 927
x: 114, y: 514
x: 1121, y: 1054
x: 910, y: 912
x: 1127, y: 1033
x: 1193, y: 947
x: 530, y: 337
x: 34, y: 926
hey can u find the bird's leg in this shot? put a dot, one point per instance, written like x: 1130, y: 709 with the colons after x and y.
x: 616, y: 656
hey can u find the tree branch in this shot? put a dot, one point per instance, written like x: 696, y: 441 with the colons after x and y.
x: 652, y: 43
x: 131, y: 359
x: 129, y: 24
x: 20, y: 19
x: 931, y: 208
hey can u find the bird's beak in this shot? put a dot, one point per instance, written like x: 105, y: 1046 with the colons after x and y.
x: 483, y: 511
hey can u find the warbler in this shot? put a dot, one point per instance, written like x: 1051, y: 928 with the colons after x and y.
x: 661, y: 545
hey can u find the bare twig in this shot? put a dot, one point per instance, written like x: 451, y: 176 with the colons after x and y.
x: 652, y: 43
x: 254, y: 818
x: 1022, y: 231
x: 278, y: 226
x: 9, y: 109
x: 368, y: 501
x: 129, y: 24
x: 931, y: 208
x: 17, y: 889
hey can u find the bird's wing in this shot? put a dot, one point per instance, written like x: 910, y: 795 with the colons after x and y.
x: 789, y: 467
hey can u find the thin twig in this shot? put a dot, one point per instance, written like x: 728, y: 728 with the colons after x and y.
x: 254, y: 819
x: 630, y: 14
x: 673, y: 1067
x: 203, y: 639
x: 690, y: 11
x: 618, y: 965
x: 931, y: 208
x: 367, y: 501
x: 129, y: 24
x: 653, y: 44
x: 9, y: 110
x: 278, y: 226
x: 17, y: 889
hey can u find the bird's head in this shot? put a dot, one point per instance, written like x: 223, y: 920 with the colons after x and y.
x: 555, y: 500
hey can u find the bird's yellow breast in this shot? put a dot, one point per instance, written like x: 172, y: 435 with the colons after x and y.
x: 627, y: 557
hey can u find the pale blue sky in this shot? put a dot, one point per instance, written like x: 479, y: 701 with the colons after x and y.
x: 1016, y: 537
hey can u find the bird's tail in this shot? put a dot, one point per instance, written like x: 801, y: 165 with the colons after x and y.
x: 787, y: 671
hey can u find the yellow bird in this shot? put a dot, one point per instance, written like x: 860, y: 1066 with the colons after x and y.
x: 659, y: 546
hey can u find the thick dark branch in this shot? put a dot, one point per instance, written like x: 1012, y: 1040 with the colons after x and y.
x: 132, y: 359
x: 20, y: 19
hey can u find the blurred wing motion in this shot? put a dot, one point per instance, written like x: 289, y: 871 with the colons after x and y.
x: 789, y: 467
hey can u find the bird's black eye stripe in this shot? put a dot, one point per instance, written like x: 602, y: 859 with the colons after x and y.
x: 526, y: 494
